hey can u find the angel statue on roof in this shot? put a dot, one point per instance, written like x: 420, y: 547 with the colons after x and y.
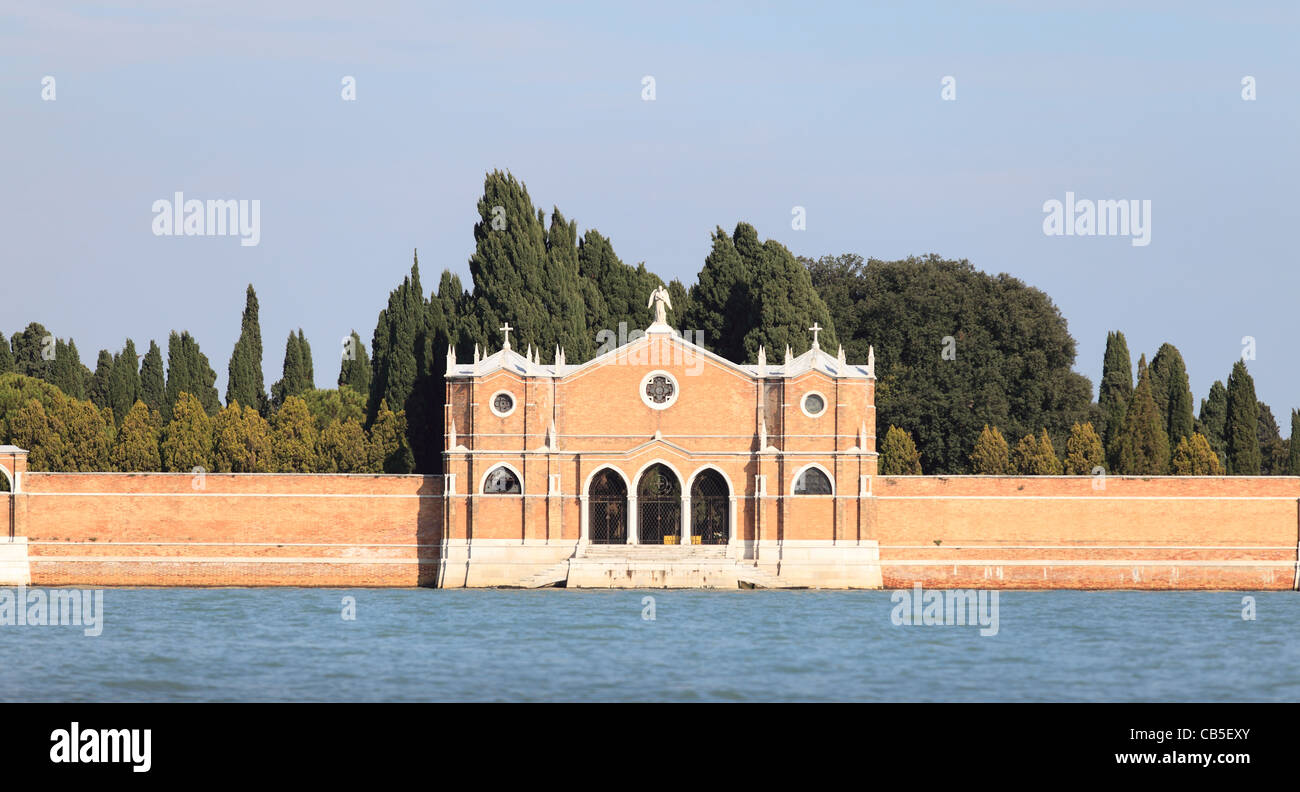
x: 659, y: 299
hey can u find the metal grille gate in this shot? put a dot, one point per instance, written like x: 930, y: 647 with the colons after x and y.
x: 607, y: 509
x: 710, y: 508
x: 659, y: 506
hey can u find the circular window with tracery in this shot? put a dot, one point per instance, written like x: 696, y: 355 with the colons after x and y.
x: 659, y: 390
x: 814, y: 404
x: 502, y: 404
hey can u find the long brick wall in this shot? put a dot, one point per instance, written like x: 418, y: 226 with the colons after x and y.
x: 159, y: 529
x: 1076, y: 532
x: 377, y: 530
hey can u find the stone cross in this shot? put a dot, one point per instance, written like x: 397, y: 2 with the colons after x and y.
x: 505, y: 329
x: 816, y: 328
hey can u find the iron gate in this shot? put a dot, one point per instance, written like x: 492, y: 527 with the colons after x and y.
x: 659, y: 505
x: 710, y: 508
x: 607, y: 509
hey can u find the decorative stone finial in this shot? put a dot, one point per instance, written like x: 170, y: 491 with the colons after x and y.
x: 816, y: 328
x: 871, y: 361
x: 789, y: 358
x: 505, y: 330
x: 762, y: 361
x: 840, y: 356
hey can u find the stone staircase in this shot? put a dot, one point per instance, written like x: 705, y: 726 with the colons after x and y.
x: 14, y: 567
x: 648, y: 552
x: 551, y: 576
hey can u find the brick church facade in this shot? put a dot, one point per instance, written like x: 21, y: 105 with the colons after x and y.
x: 660, y: 459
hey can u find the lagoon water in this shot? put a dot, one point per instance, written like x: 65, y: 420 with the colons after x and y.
x: 425, y: 644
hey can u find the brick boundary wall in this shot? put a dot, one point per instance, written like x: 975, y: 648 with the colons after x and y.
x: 159, y: 529
x: 1116, y: 532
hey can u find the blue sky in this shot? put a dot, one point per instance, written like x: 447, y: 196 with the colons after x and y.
x: 758, y: 108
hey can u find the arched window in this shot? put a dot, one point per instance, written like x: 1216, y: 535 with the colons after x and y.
x: 501, y: 481
x: 812, y: 481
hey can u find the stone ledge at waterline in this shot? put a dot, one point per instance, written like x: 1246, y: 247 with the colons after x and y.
x: 156, y: 529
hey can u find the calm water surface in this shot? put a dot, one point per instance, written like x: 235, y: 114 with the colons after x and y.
x: 419, y: 644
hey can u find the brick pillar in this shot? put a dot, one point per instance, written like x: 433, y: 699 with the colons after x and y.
x: 14, y: 462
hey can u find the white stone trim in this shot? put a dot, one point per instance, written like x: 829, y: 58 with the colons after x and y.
x: 677, y: 389
x: 795, y: 478
x: 514, y: 404
x: 803, y: 403
x: 482, y: 480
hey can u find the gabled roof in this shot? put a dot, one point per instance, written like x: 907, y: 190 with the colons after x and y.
x: 815, y: 359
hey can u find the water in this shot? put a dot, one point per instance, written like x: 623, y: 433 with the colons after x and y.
x: 420, y: 644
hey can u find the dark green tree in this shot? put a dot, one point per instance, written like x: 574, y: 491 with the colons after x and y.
x: 1173, y: 394
x: 1113, y: 393
x: 99, y: 383
x: 355, y: 368
x: 298, y: 377
x: 956, y: 349
x: 1241, y: 432
x: 153, y: 386
x: 34, y: 352
x: 720, y: 308
x: 69, y: 374
x: 1214, y: 420
x: 898, y: 456
x: 1272, y: 448
x: 1293, y: 446
x: 188, y: 371
x: 124, y: 382
x: 6, y: 356
x: 245, y: 384
x: 1143, y: 444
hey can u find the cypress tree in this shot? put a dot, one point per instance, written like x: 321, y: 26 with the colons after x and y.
x: 1114, y: 392
x: 1172, y: 393
x: 1143, y: 444
x: 153, y: 388
x: 124, y: 382
x: 245, y: 383
x: 898, y: 456
x: 1293, y: 446
x: 69, y: 374
x: 1083, y: 451
x: 136, y: 448
x: 1272, y: 449
x: 355, y: 369
x: 187, y: 441
x: 293, y: 438
x: 991, y: 456
x: 389, y: 450
x: 297, y: 373
x: 784, y: 305
x: 188, y: 371
x: 6, y: 356
x: 241, y: 441
x: 1241, y: 432
x: 88, y: 441
x: 1214, y: 419
x: 1195, y: 457
x: 100, y: 381
x: 343, y: 448
x: 1035, y: 456
x: 719, y: 305
x: 615, y: 293
x: 34, y: 351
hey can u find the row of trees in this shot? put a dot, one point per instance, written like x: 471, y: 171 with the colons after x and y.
x: 320, y: 433
x: 957, y: 350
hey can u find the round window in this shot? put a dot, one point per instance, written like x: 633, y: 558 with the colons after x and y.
x: 814, y: 404
x: 502, y: 404
x: 659, y: 390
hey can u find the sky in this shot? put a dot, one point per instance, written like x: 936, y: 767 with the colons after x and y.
x: 758, y: 108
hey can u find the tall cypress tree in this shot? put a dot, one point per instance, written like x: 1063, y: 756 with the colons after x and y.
x: 245, y: 384
x: 188, y: 371
x: 153, y: 387
x: 1114, y: 392
x: 1143, y: 444
x: 719, y: 307
x: 100, y: 382
x: 124, y: 382
x: 1173, y: 395
x: 355, y: 369
x: 1241, y: 433
x: 784, y: 305
x: 6, y: 356
x: 1293, y: 446
x: 69, y: 374
x: 297, y: 376
x: 1272, y: 448
x: 1214, y: 420
x: 33, y: 351
x: 615, y: 293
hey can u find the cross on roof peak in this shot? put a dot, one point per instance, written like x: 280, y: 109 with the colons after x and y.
x: 816, y: 328
x: 505, y: 330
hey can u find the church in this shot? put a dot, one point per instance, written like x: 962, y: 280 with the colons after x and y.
x: 659, y: 463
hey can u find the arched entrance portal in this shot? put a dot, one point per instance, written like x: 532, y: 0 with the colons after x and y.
x: 659, y: 505
x: 607, y: 508
x: 710, y: 508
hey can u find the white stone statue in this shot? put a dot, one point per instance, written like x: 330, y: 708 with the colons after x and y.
x: 659, y: 299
